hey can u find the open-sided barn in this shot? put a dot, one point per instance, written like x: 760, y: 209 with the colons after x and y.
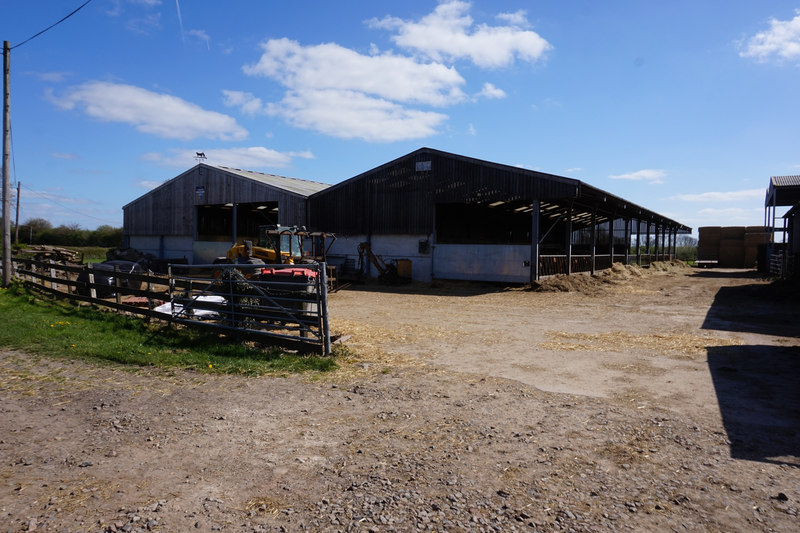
x: 200, y: 213
x: 444, y: 215
x: 783, y: 191
x: 455, y: 217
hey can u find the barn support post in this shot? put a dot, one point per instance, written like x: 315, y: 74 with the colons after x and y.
x: 639, y: 241
x: 647, y: 241
x: 568, y: 240
x: 664, y: 251
x: 611, y: 237
x: 535, y: 241
x: 594, y: 239
x: 628, y: 223
x: 235, y: 218
x: 657, y: 250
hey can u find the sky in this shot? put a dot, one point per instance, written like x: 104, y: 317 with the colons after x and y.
x: 685, y: 108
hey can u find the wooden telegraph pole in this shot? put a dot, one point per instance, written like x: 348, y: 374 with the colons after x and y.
x: 6, y: 177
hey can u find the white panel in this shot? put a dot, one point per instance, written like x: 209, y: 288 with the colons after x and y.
x: 482, y: 262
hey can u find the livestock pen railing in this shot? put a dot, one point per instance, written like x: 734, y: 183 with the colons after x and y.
x: 281, y: 304
x: 550, y: 265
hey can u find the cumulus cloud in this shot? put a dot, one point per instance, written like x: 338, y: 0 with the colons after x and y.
x: 247, y: 103
x: 781, y: 40
x: 153, y: 113
x: 492, y: 92
x: 342, y: 93
x: 354, y: 115
x: 251, y: 158
x: 333, y: 67
x: 387, y: 96
x: 652, y: 176
x: 731, y: 196
x: 449, y: 33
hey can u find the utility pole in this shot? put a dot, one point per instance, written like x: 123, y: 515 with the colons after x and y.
x: 6, y: 176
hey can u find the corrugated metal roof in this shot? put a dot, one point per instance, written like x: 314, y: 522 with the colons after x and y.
x: 295, y: 185
x: 783, y: 191
x: 785, y: 181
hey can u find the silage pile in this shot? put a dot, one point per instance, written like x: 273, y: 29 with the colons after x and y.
x: 616, y: 275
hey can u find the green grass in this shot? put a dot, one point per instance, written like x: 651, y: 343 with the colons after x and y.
x: 41, y: 325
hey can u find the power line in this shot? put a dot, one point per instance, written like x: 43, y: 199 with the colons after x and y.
x: 51, y: 26
x: 49, y: 198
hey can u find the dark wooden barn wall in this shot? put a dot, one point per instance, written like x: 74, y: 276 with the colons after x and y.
x: 397, y: 198
x: 170, y: 209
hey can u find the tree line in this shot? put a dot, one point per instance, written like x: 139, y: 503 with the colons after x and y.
x: 41, y: 231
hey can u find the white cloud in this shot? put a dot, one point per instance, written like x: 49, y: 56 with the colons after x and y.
x: 471, y: 130
x: 149, y: 184
x: 250, y: 158
x: 201, y: 36
x: 64, y: 155
x: 52, y: 77
x: 731, y: 196
x: 354, y: 115
x: 574, y: 170
x: 386, y: 96
x: 649, y: 175
x: 450, y: 33
x: 518, y: 18
x: 145, y: 25
x: 246, y: 102
x: 157, y: 114
x: 333, y: 67
x: 781, y: 40
x: 341, y: 93
x: 492, y: 92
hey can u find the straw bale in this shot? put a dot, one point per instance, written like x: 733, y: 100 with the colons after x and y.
x: 755, y: 229
x: 709, y: 233
x: 732, y: 232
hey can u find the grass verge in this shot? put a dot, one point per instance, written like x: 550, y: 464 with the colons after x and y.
x: 41, y: 325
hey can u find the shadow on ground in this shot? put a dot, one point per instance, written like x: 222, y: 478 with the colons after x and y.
x: 767, y: 309
x: 759, y: 400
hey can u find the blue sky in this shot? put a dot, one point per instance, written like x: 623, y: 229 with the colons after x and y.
x: 683, y: 107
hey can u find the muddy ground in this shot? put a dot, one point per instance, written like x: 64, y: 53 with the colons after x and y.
x: 664, y: 399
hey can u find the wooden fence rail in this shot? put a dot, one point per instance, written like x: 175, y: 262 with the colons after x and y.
x: 287, y: 312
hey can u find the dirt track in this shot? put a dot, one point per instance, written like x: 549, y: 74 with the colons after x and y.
x: 648, y: 401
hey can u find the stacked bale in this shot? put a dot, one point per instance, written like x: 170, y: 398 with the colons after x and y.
x: 732, y: 246
x: 755, y: 240
x: 708, y: 244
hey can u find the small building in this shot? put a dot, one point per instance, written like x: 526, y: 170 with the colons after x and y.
x: 783, y: 192
x: 197, y: 215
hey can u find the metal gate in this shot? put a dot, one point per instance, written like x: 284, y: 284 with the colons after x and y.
x: 280, y: 303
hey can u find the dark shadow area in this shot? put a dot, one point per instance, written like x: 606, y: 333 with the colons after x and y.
x: 767, y: 309
x: 730, y: 273
x: 759, y: 400
x: 436, y: 288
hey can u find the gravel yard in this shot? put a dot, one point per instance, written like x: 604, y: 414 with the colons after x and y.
x: 663, y: 399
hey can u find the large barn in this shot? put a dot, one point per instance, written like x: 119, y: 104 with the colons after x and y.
x: 200, y: 213
x: 455, y: 217
x: 444, y: 215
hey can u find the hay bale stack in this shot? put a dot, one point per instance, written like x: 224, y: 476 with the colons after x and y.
x: 731, y: 253
x: 752, y: 242
x: 708, y: 244
x: 731, y: 233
